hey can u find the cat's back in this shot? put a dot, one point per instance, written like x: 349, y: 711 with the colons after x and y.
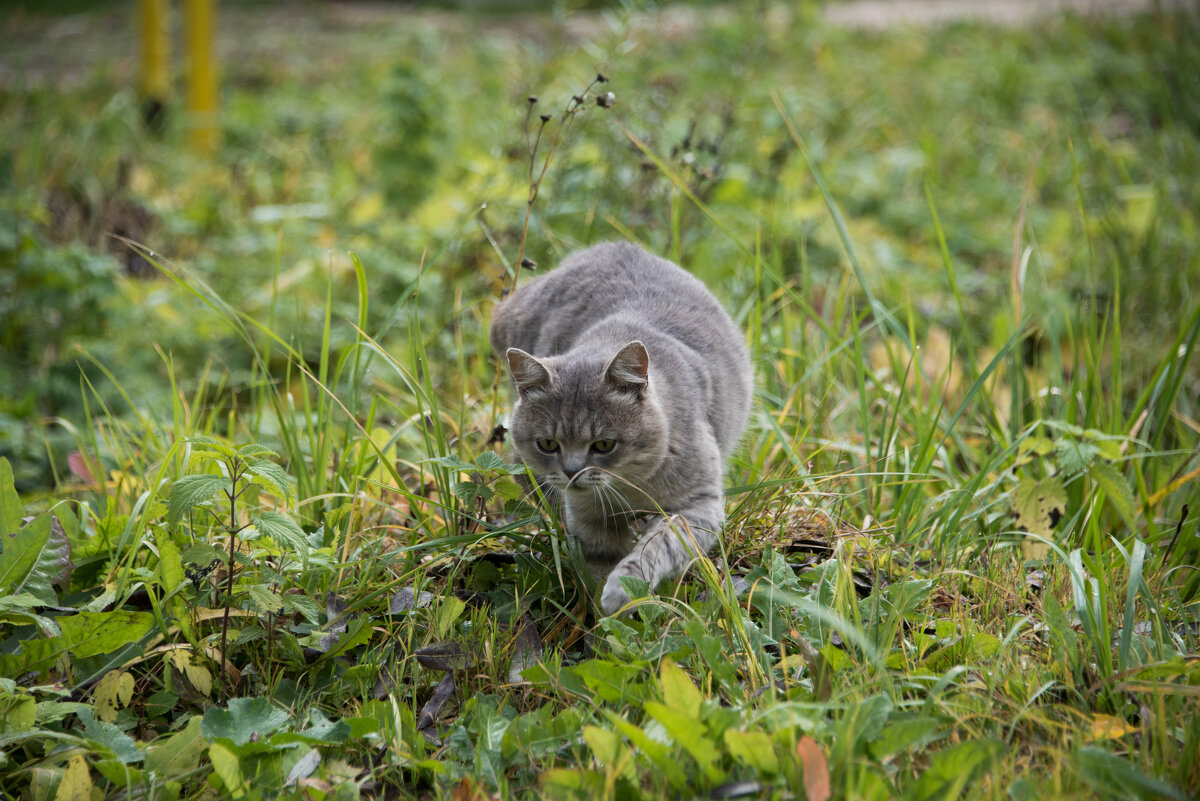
x: 548, y: 314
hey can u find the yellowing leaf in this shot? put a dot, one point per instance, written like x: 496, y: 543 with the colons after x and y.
x: 113, y: 692
x: 228, y: 769
x: 76, y: 784
x: 1037, y: 507
x: 197, y: 674
x: 678, y: 690
x: 1108, y: 727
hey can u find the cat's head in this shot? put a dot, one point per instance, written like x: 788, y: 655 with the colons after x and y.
x: 584, y: 421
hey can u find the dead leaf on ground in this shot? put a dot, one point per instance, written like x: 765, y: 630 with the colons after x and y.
x: 816, y: 769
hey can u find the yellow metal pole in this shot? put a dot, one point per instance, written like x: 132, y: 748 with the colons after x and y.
x: 156, y: 55
x: 199, y: 22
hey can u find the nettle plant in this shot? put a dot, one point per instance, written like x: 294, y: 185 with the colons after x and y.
x: 230, y: 499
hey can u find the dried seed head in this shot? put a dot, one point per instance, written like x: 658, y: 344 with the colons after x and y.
x: 606, y: 100
x: 529, y: 264
x: 600, y: 78
x: 532, y: 99
x: 545, y: 118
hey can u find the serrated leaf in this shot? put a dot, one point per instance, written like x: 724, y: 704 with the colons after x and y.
x: 490, y: 461
x: 271, y: 476
x: 1075, y: 456
x: 1038, y: 505
x: 189, y: 492
x: 11, y: 510
x: 113, y: 692
x: 451, y: 463
x: 469, y: 491
x: 1116, y: 488
x: 253, y: 450
x: 282, y: 529
x: 210, y: 446
x: 304, y: 605
x: 244, y: 719
x: 265, y: 599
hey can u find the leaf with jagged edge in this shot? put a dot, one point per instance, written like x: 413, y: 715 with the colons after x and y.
x: 282, y: 529
x: 1037, y: 507
x: 189, y: 492
x: 1116, y: 488
x: 271, y: 476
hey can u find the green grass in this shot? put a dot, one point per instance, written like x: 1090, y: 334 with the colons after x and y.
x: 260, y: 433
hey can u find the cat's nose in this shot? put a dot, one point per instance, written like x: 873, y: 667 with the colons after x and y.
x: 572, y: 467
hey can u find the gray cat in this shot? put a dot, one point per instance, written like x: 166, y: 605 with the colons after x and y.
x: 633, y: 385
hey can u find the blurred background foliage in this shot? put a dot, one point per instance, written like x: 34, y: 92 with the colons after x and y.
x: 397, y: 134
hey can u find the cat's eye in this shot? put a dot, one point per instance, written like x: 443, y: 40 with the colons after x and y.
x: 547, y: 445
x: 604, y: 445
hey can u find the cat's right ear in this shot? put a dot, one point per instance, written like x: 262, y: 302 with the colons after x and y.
x: 527, y: 372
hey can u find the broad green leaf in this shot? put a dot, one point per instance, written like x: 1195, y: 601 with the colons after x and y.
x: 243, y: 720
x: 17, y: 713
x: 21, y: 554
x: 93, y: 633
x: 106, y: 734
x: 227, y: 767
x: 16, y: 609
x: 753, y: 748
x: 11, y: 510
x: 177, y: 754
x: 903, y: 731
x: 610, y: 681
x: 1106, y: 772
x: 190, y: 491
x: 282, y: 530
x: 1116, y: 489
x: 678, y: 691
x: 1038, y: 505
x: 691, y: 735
x: 659, y: 754
x: 605, y: 744
x: 953, y: 770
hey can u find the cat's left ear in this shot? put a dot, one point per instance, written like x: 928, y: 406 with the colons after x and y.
x: 528, y: 373
x: 629, y: 368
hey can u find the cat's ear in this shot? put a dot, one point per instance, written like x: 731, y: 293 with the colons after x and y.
x: 629, y: 368
x: 527, y: 372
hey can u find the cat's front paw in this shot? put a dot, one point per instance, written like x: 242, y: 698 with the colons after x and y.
x: 614, y: 596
